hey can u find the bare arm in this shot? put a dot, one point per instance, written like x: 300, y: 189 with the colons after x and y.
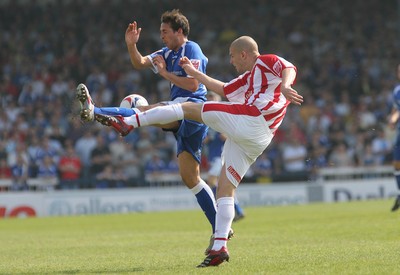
x: 288, y: 77
x: 132, y: 35
x: 187, y: 83
x: 393, y: 118
x: 211, y: 83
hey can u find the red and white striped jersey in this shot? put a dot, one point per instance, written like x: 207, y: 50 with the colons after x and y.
x: 261, y: 87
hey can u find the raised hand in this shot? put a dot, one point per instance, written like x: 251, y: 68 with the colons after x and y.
x: 132, y: 33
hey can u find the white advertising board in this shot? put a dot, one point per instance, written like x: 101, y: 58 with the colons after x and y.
x: 88, y: 202
x: 349, y: 190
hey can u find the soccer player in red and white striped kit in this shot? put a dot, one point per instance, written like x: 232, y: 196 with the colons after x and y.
x: 258, y: 99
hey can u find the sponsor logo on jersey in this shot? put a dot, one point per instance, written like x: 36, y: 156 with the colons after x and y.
x: 277, y: 67
x: 248, y: 94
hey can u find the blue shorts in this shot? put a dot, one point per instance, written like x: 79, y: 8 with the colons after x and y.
x: 190, y: 134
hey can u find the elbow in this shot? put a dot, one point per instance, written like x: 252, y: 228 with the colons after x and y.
x: 193, y: 88
x: 138, y: 66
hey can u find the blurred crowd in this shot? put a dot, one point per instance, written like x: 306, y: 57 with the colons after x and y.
x: 346, y: 55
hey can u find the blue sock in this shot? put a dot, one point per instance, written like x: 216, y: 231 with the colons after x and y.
x: 238, y: 209
x: 214, y: 189
x: 206, y: 200
x: 397, y: 175
x: 114, y: 111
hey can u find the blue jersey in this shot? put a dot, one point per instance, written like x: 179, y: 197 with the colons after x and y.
x: 396, y: 96
x: 192, y: 51
x: 396, y: 102
x: 190, y: 134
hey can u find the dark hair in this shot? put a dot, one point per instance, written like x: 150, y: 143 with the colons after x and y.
x: 176, y: 20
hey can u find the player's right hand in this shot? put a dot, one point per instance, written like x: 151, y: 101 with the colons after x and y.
x: 132, y: 33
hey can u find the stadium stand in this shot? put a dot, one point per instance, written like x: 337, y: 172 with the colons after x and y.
x: 345, y: 54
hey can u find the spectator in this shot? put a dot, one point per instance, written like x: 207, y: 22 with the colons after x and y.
x: 100, y: 156
x: 341, y: 156
x: 70, y: 168
x: 111, y: 177
x: 47, y: 174
x: 155, y: 166
x: 20, y: 174
x: 262, y: 169
x: 5, y: 173
x: 381, y: 148
x: 131, y: 165
x: 84, y: 147
x: 294, y: 158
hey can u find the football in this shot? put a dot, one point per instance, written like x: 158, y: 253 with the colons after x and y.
x: 133, y: 101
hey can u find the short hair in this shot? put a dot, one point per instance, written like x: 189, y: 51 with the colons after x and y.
x: 245, y: 43
x: 176, y: 20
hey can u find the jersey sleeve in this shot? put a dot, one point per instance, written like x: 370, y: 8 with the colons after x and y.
x: 196, y: 56
x: 151, y: 58
x: 235, y: 89
x: 276, y: 64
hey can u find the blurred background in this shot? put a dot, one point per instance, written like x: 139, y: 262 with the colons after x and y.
x: 346, y: 55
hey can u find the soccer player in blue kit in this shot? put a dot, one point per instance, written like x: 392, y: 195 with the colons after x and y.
x: 394, y: 122
x: 174, y: 31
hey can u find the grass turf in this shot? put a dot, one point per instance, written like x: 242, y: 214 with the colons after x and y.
x: 343, y: 238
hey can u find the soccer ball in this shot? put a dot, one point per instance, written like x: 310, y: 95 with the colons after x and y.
x: 133, y: 101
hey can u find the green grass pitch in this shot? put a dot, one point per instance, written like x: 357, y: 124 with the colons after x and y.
x: 342, y: 238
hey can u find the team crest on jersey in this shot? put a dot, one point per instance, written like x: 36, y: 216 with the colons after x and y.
x: 195, y: 63
x: 248, y: 94
x: 277, y: 67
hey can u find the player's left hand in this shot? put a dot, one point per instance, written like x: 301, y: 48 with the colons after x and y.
x: 292, y: 95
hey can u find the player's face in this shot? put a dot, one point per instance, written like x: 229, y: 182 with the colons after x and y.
x: 169, y: 37
x: 236, y: 60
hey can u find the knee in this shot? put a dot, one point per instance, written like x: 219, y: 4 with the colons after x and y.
x: 396, y: 165
x: 190, y: 179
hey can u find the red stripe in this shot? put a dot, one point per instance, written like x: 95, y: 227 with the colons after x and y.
x: 275, y: 114
x: 235, y: 174
x: 220, y: 239
x: 279, y: 119
x: 235, y: 109
x: 232, y: 87
x: 264, y: 83
x: 137, y: 120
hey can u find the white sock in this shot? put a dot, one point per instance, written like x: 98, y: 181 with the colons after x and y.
x: 202, y: 185
x: 158, y: 115
x: 223, y: 222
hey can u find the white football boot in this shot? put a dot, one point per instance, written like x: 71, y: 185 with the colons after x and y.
x: 86, y: 102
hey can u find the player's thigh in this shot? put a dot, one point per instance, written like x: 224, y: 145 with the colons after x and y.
x: 237, y: 161
x: 189, y: 169
x: 396, y: 164
x: 225, y: 187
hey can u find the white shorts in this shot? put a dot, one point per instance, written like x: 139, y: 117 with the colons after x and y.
x: 248, y: 135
